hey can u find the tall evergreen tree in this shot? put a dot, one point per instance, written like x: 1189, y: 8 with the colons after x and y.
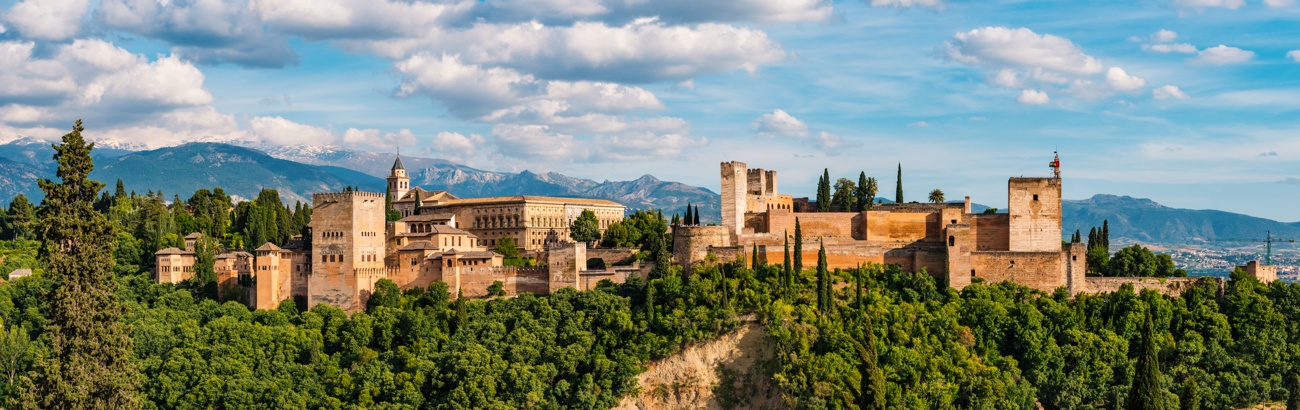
x: 676, y: 220
x: 798, y: 249
x: 1105, y: 234
x: 20, y: 219
x: 754, y: 263
x: 860, y: 193
x: 90, y: 362
x: 120, y: 192
x: 786, y: 275
x: 688, y: 220
x: 1147, y: 392
x: 898, y: 192
x: 823, y: 281
x: 650, y: 301
x: 871, y: 388
x: 1092, y: 237
x: 824, y: 192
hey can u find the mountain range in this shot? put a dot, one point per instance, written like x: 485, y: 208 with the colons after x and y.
x: 297, y: 172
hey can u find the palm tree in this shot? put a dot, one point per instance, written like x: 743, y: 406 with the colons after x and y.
x: 936, y: 196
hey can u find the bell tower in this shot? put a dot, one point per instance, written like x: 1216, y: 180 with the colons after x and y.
x: 398, y: 182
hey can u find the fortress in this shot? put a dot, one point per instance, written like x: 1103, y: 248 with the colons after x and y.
x: 351, y: 246
x: 946, y: 240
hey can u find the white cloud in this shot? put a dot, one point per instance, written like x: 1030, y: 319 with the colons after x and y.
x: 644, y: 146
x: 1204, y: 4
x: 98, y: 81
x: 208, y: 31
x: 1167, y: 92
x: 535, y: 142
x: 378, y: 140
x: 1164, y: 36
x: 932, y: 4
x: 1222, y: 55
x: 1170, y: 48
x: 919, y: 124
x: 637, y: 52
x: 335, y: 19
x: 779, y: 123
x: 48, y: 19
x: 1007, y: 78
x: 1021, y: 48
x: 1033, y: 97
x: 831, y: 144
x: 1294, y: 55
x: 676, y: 11
x: 457, y: 145
x: 1277, y: 4
x: 1120, y: 80
x: 279, y: 131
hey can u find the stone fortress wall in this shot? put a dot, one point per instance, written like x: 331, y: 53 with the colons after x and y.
x: 1023, y: 245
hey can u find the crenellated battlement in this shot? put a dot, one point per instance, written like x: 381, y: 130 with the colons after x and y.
x: 323, y: 197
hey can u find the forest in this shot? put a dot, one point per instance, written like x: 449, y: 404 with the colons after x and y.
x: 92, y: 329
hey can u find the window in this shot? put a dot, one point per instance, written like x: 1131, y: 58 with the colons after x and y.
x: 1074, y: 258
x: 952, y: 240
x: 972, y: 273
x: 1035, y: 197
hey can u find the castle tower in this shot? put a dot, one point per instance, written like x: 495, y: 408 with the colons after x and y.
x: 269, y: 290
x: 1034, y: 205
x: 398, y: 182
x: 735, y: 181
x: 347, y: 237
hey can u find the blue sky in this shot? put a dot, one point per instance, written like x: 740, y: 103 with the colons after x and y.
x: 1192, y: 103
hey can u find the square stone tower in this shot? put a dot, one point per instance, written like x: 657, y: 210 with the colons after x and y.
x: 1034, y: 205
x: 735, y: 187
x: 348, y: 248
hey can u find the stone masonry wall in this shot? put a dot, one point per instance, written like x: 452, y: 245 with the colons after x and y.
x: 1038, y: 270
x: 1167, y: 286
x: 1035, y: 208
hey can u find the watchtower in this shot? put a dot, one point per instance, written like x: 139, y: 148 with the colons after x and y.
x: 398, y: 182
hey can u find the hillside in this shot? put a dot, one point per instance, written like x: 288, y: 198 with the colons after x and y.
x: 240, y: 171
x: 1145, y: 221
x: 731, y: 371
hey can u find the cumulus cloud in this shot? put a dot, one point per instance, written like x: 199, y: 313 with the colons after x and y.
x: 831, y: 144
x: 1164, y: 36
x: 779, y: 123
x: 1033, y: 97
x: 378, y: 140
x: 457, y: 145
x: 1170, y: 48
x: 280, y: 131
x: 1021, y: 48
x: 1277, y: 4
x: 919, y: 124
x: 535, y: 142
x: 1294, y: 55
x: 1168, y: 92
x: 1222, y: 55
x: 1121, y: 80
x: 1204, y: 4
x: 932, y: 4
x: 47, y: 19
x: 96, y: 80
x: 208, y: 31
x: 638, y: 52
x: 1021, y: 58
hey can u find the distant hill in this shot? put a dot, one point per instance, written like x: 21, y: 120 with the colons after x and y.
x: 1145, y: 221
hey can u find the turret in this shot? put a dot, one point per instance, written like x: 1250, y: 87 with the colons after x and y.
x: 398, y: 182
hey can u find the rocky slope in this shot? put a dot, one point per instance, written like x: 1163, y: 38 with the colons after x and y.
x: 730, y: 372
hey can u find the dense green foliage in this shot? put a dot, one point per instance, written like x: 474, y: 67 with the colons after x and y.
x: 845, y: 197
x: 585, y: 228
x: 19, y: 219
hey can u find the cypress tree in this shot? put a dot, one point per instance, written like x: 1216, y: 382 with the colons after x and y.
x: 120, y: 192
x: 695, y: 219
x: 1092, y: 238
x: 676, y: 220
x: 898, y: 193
x: 785, y: 269
x: 687, y: 220
x: 90, y: 362
x: 1105, y: 234
x: 650, y: 301
x: 824, y: 191
x: 823, y: 303
x: 1146, y: 392
x: 857, y: 279
x: 753, y: 264
x: 871, y: 390
x: 798, y: 249
x: 860, y: 193
x: 462, y: 318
